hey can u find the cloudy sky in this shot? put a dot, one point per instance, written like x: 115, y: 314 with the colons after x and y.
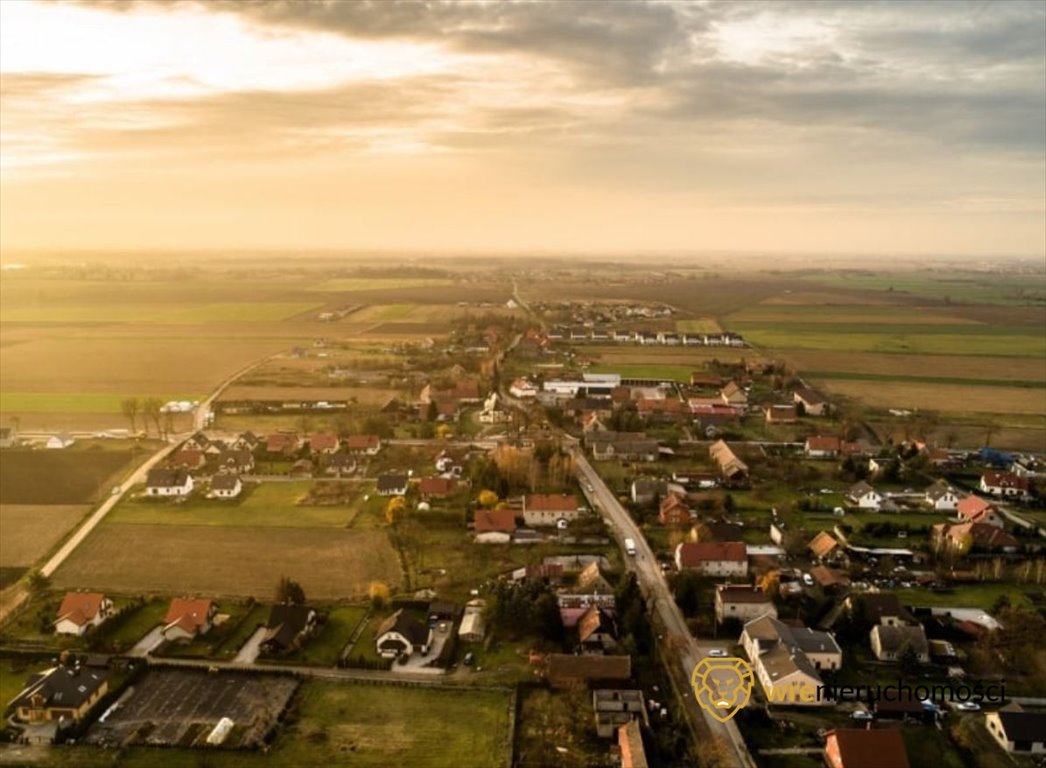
x: 887, y: 128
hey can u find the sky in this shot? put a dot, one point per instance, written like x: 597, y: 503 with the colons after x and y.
x: 487, y: 127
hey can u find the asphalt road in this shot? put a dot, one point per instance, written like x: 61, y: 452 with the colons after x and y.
x: 655, y: 588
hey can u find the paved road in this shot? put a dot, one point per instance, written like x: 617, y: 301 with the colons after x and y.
x: 655, y: 588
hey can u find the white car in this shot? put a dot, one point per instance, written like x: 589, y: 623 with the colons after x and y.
x: 862, y: 715
x: 717, y: 653
x: 968, y: 706
x: 808, y: 580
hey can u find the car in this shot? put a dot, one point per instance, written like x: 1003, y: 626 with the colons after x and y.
x: 469, y: 658
x: 968, y: 706
x: 808, y: 580
x: 717, y: 653
x: 862, y: 715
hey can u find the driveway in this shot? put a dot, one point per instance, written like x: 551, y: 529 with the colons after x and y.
x: 152, y: 640
x: 416, y: 664
x: 249, y: 652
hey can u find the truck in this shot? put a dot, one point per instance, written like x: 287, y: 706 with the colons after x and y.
x: 630, y: 547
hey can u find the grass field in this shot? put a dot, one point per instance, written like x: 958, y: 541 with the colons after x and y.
x: 789, y: 314
x: 646, y: 371
x: 858, y: 339
x: 75, y: 402
x: 80, y: 474
x: 28, y: 531
x: 262, y: 505
x: 701, y: 325
x: 191, y: 314
x: 353, y: 284
x: 331, y: 564
x: 959, y: 398
x: 363, y: 395
x: 325, y: 649
x: 976, y: 288
x: 947, y: 366
x: 695, y: 357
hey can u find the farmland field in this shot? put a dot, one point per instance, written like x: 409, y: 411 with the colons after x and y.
x: 843, y: 314
x: 192, y: 314
x: 949, y: 366
x: 30, y: 530
x: 694, y: 357
x: 948, y: 397
x: 230, y: 561
x: 264, y: 505
x: 75, y: 475
x: 999, y: 342
x: 365, y: 395
x: 353, y: 284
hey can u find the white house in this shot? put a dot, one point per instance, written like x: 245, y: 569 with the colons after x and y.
x: 168, y: 482
x: 1006, y: 484
x: 742, y: 602
x: 403, y: 634
x: 864, y: 496
x: 80, y: 611
x: 522, y: 388
x: 188, y: 618
x: 226, y: 486
x: 63, y: 440
x: 713, y: 558
x: 890, y: 642
x: 787, y: 662
x: 1017, y: 731
x: 548, y: 509
x: 942, y: 497
x: 492, y: 412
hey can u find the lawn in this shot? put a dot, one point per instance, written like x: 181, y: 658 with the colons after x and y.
x: 262, y: 505
x: 120, y: 633
x: 975, y: 288
x: 950, y: 367
x: 701, y: 325
x: 226, y: 561
x: 351, y: 284
x: 981, y: 596
x: 960, y: 398
x: 325, y: 649
x: 29, y: 531
x: 647, y: 371
x: 186, y: 314
x: 1030, y: 343
x: 777, y: 314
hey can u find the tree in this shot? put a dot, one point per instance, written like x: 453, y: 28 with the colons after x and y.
x: 379, y: 594
x: 394, y: 509
x: 487, y: 498
x: 908, y: 661
x: 152, y: 407
x: 289, y: 591
x: 769, y: 582
x: 443, y: 431
x: 129, y: 407
x: 37, y: 582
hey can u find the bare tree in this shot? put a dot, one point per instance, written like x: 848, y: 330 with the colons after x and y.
x: 130, y: 407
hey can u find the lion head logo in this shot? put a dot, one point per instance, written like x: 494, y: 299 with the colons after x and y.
x: 722, y: 686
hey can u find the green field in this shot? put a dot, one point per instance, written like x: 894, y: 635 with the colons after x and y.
x: 886, y: 377
x: 843, y: 314
x: 647, y: 371
x: 326, y: 647
x: 350, y: 284
x: 79, y: 402
x: 1003, y: 343
x: 970, y: 288
x: 262, y: 505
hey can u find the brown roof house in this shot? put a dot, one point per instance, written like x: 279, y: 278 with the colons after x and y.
x: 548, y: 509
x: 188, y: 618
x: 674, y: 511
x: 80, y: 611
x: 566, y: 670
x: 857, y: 748
x: 713, y: 558
x: 742, y: 602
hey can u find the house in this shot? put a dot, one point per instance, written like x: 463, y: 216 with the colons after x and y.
x: 787, y: 661
x: 823, y: 546
x: 473, y: 628
x: 596, y: 630
x: 830, y: 579
x: 549, y: 509
x: 161, y: 481
x: 646, y: 489
x: 1018, y: 731
x: 733, y: 394
x: 522, y: 388
x: 247, y: 441
x: 288, y: 627
x: 437, y: 487
x: 820, y: 447
x: 402, y: 634
x: 942, y: 497
x: 874, y: 608
x: 630, y: 744
x: 59, y: 441
x: 494, y: 526
x: 188, y: 618
x: 716, y: 530
x: 324, y: 442
x: 781, y: 414
x: 1005, y: 484
x: 226, y: 486
x: 591, y: 580
x: 198, y: 442
x: 188, y: 458
x: 302, y: 468
x: 974, y: 509
x: 492, y: 412
x: 811, y: 402
x: 283, y: 444
x: 340, y: 463
x: 63, y: 692
x: 864, y: 496
x: 730, y: 467
x: 363, y: 445
x: 972, y: 537
x: 592, y: 422
x: 614, y: 708
x: 80, y: 611
x: 742, y: 602
x: 392, y: 484
x: 627, y: 446
x: 674, y: 511
x: 713, y: 558
x: 565, y: 670
x: 858, y: 748
x: 891, y: 642
x: 237, y: 460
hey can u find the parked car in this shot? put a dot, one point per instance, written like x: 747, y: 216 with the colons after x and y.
x: 808, y: 580
x: 968, y: 706
x: 717, y: 653
x: 862, y: 715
